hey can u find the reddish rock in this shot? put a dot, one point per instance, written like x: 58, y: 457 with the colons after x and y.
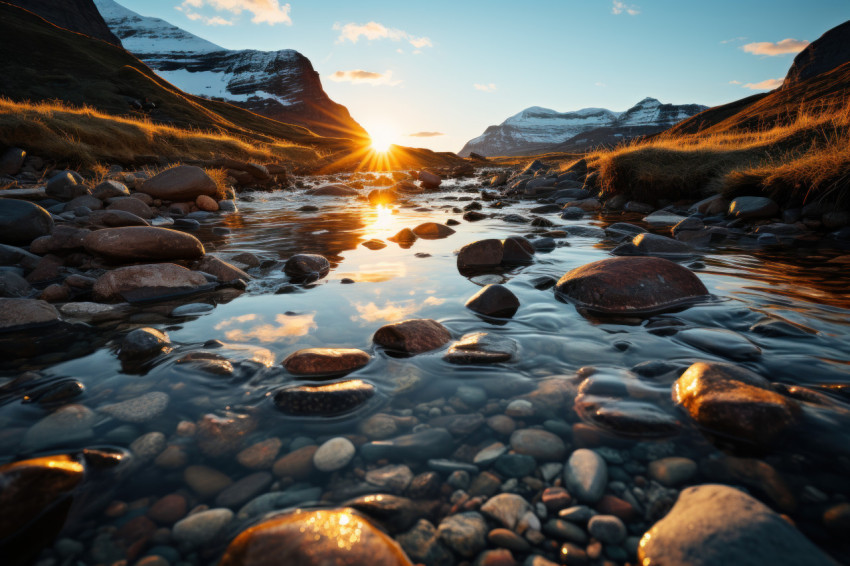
x: 325, y: 361
x: 169, y: 509
x: 207, y: 203
x: 404, y: 236
x: 184, y: 182
x: 630, y: 285
x: 139, y: 243
x: 429, y: 180
x: 114, y: 283
x: 611, y: 505
x: 221, y: 435
x: 412, y: 336
x: 433, y: 231
x: 261, y: 455
x: 297, y: 465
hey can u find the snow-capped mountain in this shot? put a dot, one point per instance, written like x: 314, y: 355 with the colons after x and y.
x: 278, y: 84
x: 536, y: 128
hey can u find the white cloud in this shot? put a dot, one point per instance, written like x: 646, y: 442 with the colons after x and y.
x: 621, y: 7
x: 359, y: 76
x: 264, y: 11
x: 783, y: 47
x: 425, y: 134
x: 734, y: 82
x: 768, y: 84
x: 486, y: 88
x: 373, y: 30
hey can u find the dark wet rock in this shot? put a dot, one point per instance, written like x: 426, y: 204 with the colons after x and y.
x: 313, y: 538
x: 716, y: 524
x: 139, y: 243
x: 110, y: 189
x: 221, y: 269
x: 505, y: 538
x: 474, y: 216
x: 544, y: 244
x: 84, y: 201
x: 494, y: 300
x: 333, y: 190
x: 672, y: 471
x: 65, y: 186
x: 17, y: 314
x: 755, y: 474
x: 223, y: 434
x: 653, y: 244
x: 586, y: 475
x: 323, y: 400
x: 276, y: 500
x: 584, y: 231
x: 298, y: 464
x: 131, y: 205
x: 572, y: 213
x: 374, y: 244
x: 515, y: 465
x: 157, y: 279
x: 404, y: 236
x: 753, y: 207
x: 181, y: 183
x: 722, y: 342
x: 396, y: 514
x: 630, y: 285
x: 12, y: 160
x: 412, y: 336
x: 116, y: 219
x: 325, y: 361
x: 307, y: 266
x: 187, y: 224
x: 201, y: 528
x: 433, y: 231
x: 480, y: 254
x: 481, y: 348
x: 734, y: 402
x: 419, y: 446
x: 607, y: 529
x: 423, y: 545
x: 68, y: 424
x: 515, y: 219
x: 516, y: 250
x: 663, y: 219
x: 144, y: 343
x: 781, y: 329
x: 465, y: 533
x: 623, y: 230
x: 627, y: 417
x: 21, y: 222
x: 63, y: 238
x: 13, y: 285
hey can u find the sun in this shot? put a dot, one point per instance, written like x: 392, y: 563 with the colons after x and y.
x: 382, y: 136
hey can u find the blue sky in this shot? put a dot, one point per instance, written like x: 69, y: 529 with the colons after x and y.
x: 455, y: 67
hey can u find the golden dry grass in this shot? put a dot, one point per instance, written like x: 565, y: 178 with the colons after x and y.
x: 804, y: 159
x: 83, y: 136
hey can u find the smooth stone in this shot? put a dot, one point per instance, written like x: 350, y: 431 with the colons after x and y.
x: 17, y: 313
x: 192, y: 309
x: 298, y: 464
x: 148, y: 446
x: 481, y: 348
x: 244, y: 490
x: 495, y: 301
x: 586, y: 475
x: 307, y: 266
x: 623, y: 230
x: 516, y: 250
x: 144, y: 343
x: 129, y: 205
x: 450, y: 466
x: 505, y: 538
x: 21, y: 222
x: 181, y: 183
x: 579, y: 514
x: 403, y: 236
x: 540, y: 444
x: 663, y: 219
x: 480, y: 254
x: 422, y: 544
x: 202, y: 528
x: 158, y: 277
x: 110, y: 189
x: 314, y: 538
x: 223, y: 270
x: 116, y: 219
x: 412, y: 336
x: 333, y: 190
x: 515, y: 465
x: 432, y: 231
x: 490, y: 454
x: 277, y: 500
x: 323, y: 400
x: 325, y: 361
x: 394, y: 478
x: 653, y: 245
x: 626, y: 416
x: 374, y: 244
x: 630, y: 285
x: 716, y: 524
x: 734, y: 402
x: 334, y: 454
x: 169, y: 509
x: 465, y: 533
x: 205, y: 481
x: 722, y: 342
x: 138, y: 410
x: 419, y: 446
x: 607, y: 529
x: 260, y: 455
x: 429, y: 180
x: 68, y: 424
x: 506, y: 509
x: 565, y: 530
x: 753, y: 207
x: 138, y: 243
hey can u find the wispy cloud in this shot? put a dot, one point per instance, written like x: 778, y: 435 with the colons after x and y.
x: 623, y: 8
x: 486, y: 88
x: 783, y: 47
x: 734, y: 40
x: 359, y: 76
x: 373, y: 30
x: 600, y: 84
x: 425, y: 134
x: 734, y: 82
x: 264, y: 11
x: 768, y: 84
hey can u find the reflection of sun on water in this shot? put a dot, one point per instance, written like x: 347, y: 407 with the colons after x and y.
x: 383, y: 219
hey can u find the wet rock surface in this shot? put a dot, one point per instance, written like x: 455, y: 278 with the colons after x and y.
x: 412, y: 336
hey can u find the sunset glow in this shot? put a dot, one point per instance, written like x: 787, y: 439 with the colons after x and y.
x: 382, y: 136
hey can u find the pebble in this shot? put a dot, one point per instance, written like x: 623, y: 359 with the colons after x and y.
x: 169, y: 509
x: 148, y: 446
x: 68, y: 424
x: 334, y: 454
x: 608, y: 529
x: 465, y: 533
x: 394, y: 478
x: 519, y: 408
x: 507, y: 509
x: 579, y: 514
x: 672, y: 471
x: 506, y: 538
x: 540, y: 444
x: 140, y: 409
x: 297, y: 465
x: 586, y: 475
x: 244, y: 490
x: 200, y: 529
x: 490, y: 454
x: 205, y: 481
x: 260, y: 456
x: 515, y: 465
x: 565, y: 530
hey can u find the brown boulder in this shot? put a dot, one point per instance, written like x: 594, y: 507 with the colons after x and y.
x: 325, y: 361
x: 412, y: 336
x: 429, y: 180
x: 136, y: 243
x: 315, y: 538
x: 630, y: 285
x: 307, y: 266
x: 184, y: 182
x: 15, y: 313
x: 207, y: 203
x: 483, y: 253
x: 221, y: 269
x: 433, y: 231
x: 113, y: 284
x: 734, y: 402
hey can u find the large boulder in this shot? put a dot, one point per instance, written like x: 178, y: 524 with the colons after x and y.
x: 734, y: 402
x: 181, y: 183
x: 717, y: 524
x: 139, y: 243
x: 630, y: 285
x: 159, y: 277
x: 19, y: 313
x: 314, y: 538
x: 480, y: 254
x: 21, y: 222
x: 412, y: 336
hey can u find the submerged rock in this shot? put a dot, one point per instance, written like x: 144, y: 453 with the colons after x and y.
x: 734, y: 402
x: 325, y: 361
x: 314, y: 538
x: 586, y: 475
x: 630, y: 285
x: 716, y: 524
x: 323, y: 400
x: 144, y: 343
x: 412, y: 336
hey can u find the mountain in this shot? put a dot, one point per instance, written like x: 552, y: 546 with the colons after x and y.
x: 538, y: 129
x: 824, y: 54
x: 281, y: 85
x: 80, y: 16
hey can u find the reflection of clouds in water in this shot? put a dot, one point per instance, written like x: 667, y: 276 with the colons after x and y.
x: 392, y: 312
x: 376, y: 272
x: 287, y: 327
